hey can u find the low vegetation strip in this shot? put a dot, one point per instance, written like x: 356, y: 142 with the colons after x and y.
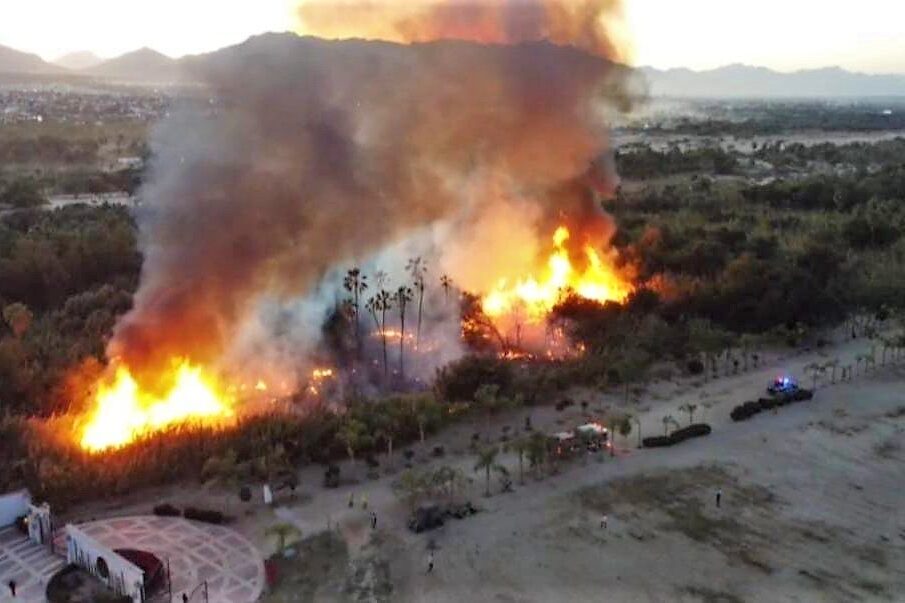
x: 746, y: 410
x: 680, y: 435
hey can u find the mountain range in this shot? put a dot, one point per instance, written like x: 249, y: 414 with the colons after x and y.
x: 149, y: 66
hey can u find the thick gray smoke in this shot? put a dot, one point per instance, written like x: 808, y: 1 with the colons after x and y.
x: 321, y: 154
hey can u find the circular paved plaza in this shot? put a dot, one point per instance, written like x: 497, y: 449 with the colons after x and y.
x: 197, y: 552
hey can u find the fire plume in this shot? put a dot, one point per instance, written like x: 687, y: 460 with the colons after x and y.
x: 123, y: 411
x: 598, y: 280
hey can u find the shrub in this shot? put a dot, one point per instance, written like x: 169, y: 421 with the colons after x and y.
x: 438, y: 451
x: 462, y: 378
x: 657, y: 441
x: 678, y: 436
x: 205, y: 515
x: 745, y: 411
x: 331, y: 477
x: 802, y: 395
x: 692, y: 431
x: 695, y: 367
x: 167, y: 510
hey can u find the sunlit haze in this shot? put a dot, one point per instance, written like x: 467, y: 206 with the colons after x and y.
x: 700, y: 34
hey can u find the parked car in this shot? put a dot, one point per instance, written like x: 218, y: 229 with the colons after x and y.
x: 782, y: 385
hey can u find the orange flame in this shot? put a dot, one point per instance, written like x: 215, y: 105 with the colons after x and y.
x: 598, y: 281
x: 123, y: 412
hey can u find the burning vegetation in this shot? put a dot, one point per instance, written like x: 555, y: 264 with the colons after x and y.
x: 328, y: 153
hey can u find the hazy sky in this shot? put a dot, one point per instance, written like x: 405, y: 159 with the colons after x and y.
x: 867, y: 35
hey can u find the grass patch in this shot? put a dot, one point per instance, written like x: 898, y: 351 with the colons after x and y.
x: 685, y: 498
x: 317, y: 572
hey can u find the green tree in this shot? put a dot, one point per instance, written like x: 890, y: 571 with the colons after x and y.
x: 667, y: 421
x: 22, y: 192
x: 353, y: 434
x: 710, y: 340
x: 411, y: 487
x: 637, y: 420
x: 537, y: 451
x: 283, y: 532
x: 18, y: 317
x: 632, y: 365
x: 487, y: 462
x: 488, y: 398
x: 520, y: 447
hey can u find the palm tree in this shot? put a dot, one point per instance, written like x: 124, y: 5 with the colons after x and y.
x: 667, y: 421
x: 402, y: 298
x: 224, y: 471
x: 389, y: 425
x: 832, y: 365
x: 537, y: 450
x: 624, y: 426
x: 417, y: 268
x: 283, y: 532
x: 381, y: 279
x: 631, y: 367
x: 378, y: 306
x: 446, y: 283
x: 411, y: 485
x: 814, y: 369
x: 356, y: 283
x: 487, y: 463
x: 520, y: 447
x: 689, y: 408
x: 352, y: 434
x: 747, y: 343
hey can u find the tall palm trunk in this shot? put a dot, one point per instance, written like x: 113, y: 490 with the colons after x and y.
x: 383, y: 337
x: 402, y: 345
x: 420, y: 308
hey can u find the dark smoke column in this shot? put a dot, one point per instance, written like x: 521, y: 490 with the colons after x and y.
x: 323, y: 152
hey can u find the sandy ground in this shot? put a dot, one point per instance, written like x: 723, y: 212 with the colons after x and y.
x: 812, y: 507
x: 811, y: 510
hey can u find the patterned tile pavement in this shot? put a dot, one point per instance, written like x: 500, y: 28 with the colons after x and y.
x: 197, y: 552
x: 28, y: 564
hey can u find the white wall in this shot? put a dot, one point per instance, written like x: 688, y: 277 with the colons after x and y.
x: 13, y: 505
x: 83, y: 550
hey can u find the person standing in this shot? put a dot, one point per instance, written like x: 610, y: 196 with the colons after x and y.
x: 430, y: 562
x: 351, y: 499
x: 719, y: 496
x: 603, y: 521
x: 373, y: 520
x: 364, y: 502
x: 12, y: 588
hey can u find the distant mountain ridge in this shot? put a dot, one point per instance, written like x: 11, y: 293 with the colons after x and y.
x: 15, y: 61
x: 78, y: 60
x: 145, y: 65
x: 732, y: 81
x: 757, y: 82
